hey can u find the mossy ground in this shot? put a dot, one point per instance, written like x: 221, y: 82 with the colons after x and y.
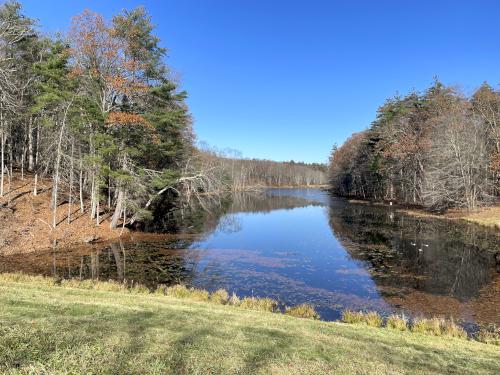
x: 50, y: 329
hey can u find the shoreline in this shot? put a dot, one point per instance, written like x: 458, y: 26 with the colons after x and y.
x: 98, y: 326
x: 24, y: 220
x: 487, y: 216
x: 25, y: 228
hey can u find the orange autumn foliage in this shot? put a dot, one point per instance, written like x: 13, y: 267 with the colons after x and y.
x: 495, y: 162
x: 131, y: 119
x: 96, y: 49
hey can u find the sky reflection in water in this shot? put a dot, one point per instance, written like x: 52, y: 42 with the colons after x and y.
x: 301, y: 245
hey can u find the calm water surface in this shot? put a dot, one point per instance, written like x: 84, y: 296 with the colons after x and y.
x: 301, y: 245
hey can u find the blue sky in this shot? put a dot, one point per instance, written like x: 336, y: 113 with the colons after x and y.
x: 286, y: 79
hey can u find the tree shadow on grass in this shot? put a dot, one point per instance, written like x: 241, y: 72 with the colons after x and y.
x: 272, y: 344
x: 57, y: 333
x: 184, y: 342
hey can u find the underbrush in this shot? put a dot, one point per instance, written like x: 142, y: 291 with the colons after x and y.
x: 489, y: 335
x: 260, y: 304
x: 438, y: 327
x: 398, y: 322
x: 433, y: 326
x: 302, y: 311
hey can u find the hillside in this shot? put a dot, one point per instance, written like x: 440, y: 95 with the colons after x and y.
x: 48, y: 329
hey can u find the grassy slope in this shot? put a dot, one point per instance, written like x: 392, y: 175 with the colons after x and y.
x: 47, y: 329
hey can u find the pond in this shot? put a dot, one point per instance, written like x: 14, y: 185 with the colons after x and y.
x: 302, y: 245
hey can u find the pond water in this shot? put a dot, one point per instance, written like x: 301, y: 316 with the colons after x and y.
x: 302, y: 245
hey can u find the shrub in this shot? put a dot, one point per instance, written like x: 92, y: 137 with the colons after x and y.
x: 22, y: 277
x: 107, y: 286
x: 161, y: 289
x: 427, y: 326
x: 353, y: 317
x: 198, y: 294
x: 302, y: 311
x: 373, y: 319
x: 397, y: 322
x: 178, y: 291
x: 234, y: 300
x: 260, y: 304
x: 220, y: 296
x: 80, y: 284
x: 449, y: 328
x: 139, y: 289
x: 438, y: 327
x: 489, y: 335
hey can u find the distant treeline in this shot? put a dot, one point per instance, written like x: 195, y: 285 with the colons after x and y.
x: 439, y: 149
x: 244, y: 174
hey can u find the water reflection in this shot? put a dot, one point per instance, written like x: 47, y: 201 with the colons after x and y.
x: 425, y: 266
x: 300, y: 245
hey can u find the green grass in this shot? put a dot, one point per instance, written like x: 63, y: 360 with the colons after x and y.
x: 107, y: 330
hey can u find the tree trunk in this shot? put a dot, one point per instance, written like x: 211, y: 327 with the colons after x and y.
x: 55, y: 185
x: 2, y: 151
x: 119, y: 200
x: 35, y: 191
x: 118, y: 209
x: 70, y: 194
x: 2, y: 162
x: 30, y: 145
x: 81, y: 184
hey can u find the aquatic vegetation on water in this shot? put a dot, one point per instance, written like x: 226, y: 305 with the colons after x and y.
x: 302, y: 311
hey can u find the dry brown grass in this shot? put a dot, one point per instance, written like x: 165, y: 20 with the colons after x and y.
x: 302, y: 311
x: 57, y: 329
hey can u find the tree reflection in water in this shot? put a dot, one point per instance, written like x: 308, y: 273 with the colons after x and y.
x: 298, y: 246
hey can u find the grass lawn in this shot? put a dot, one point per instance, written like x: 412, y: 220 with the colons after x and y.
x: 51, y: 330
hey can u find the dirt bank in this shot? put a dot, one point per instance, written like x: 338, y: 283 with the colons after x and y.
x: 25, y: 220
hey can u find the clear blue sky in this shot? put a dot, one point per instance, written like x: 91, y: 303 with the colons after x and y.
x: 286, y: 79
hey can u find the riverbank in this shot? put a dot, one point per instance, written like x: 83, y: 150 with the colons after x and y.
x: 25, y: 221
x: 45, y: 328
x: 486, y: 216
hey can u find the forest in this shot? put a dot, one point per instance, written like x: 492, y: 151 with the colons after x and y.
x: 99, y: 113
x: 439, y: 149
x: 250, y: 174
